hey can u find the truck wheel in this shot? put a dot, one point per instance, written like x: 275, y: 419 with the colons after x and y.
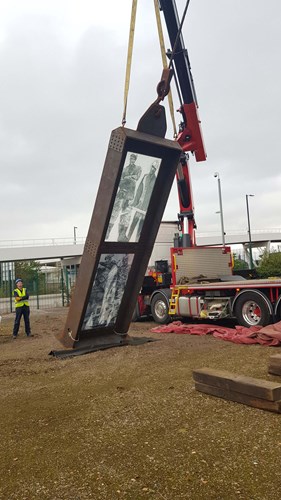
x: 251, y: 309
x: 160, y: 308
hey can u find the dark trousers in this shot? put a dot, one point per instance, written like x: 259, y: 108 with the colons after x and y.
x: 22, y: 311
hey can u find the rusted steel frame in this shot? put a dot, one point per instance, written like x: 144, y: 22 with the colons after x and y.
x: 121, y: 142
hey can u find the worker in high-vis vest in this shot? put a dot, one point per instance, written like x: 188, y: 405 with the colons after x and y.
x: 21, y: 297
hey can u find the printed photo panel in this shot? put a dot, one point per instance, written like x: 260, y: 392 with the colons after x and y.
x: 107, y: 290
x: 133, y: 196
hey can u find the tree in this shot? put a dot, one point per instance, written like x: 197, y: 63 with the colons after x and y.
x: 270, y: 264
x: 30, y: 273
x: 239, y: 263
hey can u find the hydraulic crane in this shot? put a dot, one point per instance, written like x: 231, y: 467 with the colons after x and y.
x: 189, y: 136
x: 202, y: 285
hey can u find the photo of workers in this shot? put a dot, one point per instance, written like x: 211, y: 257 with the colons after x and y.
x: 107, y: 290
x: 133, y: 196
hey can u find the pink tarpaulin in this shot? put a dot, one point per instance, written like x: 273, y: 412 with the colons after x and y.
x: 265, y: 335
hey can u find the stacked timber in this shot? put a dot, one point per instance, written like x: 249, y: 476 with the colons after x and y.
x: 275, y: 364
x: 249, y: 391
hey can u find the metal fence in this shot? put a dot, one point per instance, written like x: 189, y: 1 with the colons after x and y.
x: 46, y: 290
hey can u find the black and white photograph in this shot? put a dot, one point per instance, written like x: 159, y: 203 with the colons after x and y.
x: 133, y: 196
x: 107, y: 290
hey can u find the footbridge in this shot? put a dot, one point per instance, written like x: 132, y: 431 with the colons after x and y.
x: 66, y: 248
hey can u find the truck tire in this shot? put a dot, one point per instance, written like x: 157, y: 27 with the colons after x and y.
x: 160, y: 308
x: 251, y: 309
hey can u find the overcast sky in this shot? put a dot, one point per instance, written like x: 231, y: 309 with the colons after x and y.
x: 62, y: 67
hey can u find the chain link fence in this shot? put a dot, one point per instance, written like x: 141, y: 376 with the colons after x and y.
x: 48, y: 287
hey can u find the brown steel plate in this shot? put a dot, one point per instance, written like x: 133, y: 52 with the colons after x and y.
x: 137, y: 177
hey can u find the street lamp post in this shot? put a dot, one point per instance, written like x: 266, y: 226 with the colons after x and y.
x: 74, y: 228
x: 217, y: 175
x: 249, y: 231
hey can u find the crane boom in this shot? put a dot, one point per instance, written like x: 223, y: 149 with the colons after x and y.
x: 181, y: 59
x: 190, y: 136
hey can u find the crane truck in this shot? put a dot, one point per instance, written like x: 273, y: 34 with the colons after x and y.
x: 199, y: 282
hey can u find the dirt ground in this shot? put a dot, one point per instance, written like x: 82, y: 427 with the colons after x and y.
x: 127, y: 423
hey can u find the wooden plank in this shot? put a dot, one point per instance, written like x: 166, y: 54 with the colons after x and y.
x: 220, y: 392
x: 274, y: 370
x: 275, y: 364
x: 263, y: 389
x: 276, y: 357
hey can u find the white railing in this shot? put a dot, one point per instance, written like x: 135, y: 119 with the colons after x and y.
x: 234, y: 232
x: 41, y: 242
x: 81, y: 240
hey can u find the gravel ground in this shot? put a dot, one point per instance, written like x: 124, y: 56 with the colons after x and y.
x: 126, y: 423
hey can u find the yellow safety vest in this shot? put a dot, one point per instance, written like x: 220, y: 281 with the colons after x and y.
x: 21, y: 303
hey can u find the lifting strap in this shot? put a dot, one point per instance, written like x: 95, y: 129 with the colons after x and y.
x: 129, y: 58
x: 164, y: 61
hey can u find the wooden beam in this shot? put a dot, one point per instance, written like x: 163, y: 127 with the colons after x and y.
x: 275, y: 364
x: 220, y: 392
x: 256, y: 388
